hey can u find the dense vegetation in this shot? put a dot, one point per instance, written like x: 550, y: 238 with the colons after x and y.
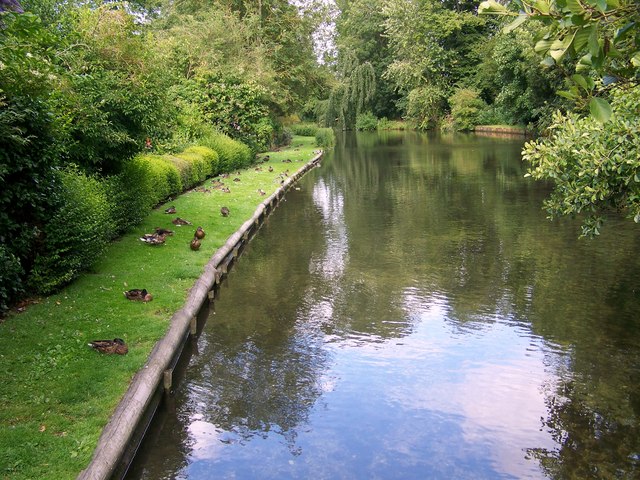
x: 96, y: 96
x: 102, y: 103
x: 565, y: 68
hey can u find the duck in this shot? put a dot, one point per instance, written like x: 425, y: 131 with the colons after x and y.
x: 266, y: 158
x: 199, y: 233
x: 261, y: 192
x: 270, y: 169
x: 153, y: 239
x: 224, y: 211
x: 237, y: 179
x: 163, y: 231
x: 195, y: 244
x: 116, y: 346
x: 226, y: 189
x: 138, y: 294
x: 180, y: 221
x: 170, y: 210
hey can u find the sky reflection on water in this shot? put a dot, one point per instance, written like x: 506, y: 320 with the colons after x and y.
x: 428, y: 333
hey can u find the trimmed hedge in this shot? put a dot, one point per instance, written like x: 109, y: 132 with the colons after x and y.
x: 232, y: 154
x: 76, y: 235
x: 89, y: 212
x: 304, y: 129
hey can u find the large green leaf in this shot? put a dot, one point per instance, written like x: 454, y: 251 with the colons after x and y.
x: 600, y: 109
x: 520, y: 19
x: 493, y: 7
x: 559, y: 47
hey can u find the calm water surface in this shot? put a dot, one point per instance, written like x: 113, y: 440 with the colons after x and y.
x: 409, y: 313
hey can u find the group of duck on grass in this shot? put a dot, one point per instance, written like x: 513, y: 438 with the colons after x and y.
x: 158, y: 237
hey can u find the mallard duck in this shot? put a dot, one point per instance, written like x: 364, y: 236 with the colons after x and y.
x: 153, y: 239
x: 270, y: 168
x: 170, y: 210
x: 261, y: 192
x: 138, y: 294
x: 163, y: 231
x: 224, y: 211
x: 266, y: 158
x: 236, y: 179
x: 180, y: 221
x: 199, y: 233
x: 195, y: 244
x: 116, y: 346
x: 226, y: 189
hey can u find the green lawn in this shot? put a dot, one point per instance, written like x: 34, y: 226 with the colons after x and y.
x: 56, y: 392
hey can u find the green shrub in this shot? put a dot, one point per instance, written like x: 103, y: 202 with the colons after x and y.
x: 199, y: 168
x: 11, y: 274
x: 325, y: 137
x: 304, y: 129
x: 232, y: 154
x: 210, y: 156
x: 385, y: 124
x: 76, y: 234
x: 466, y: 107
x: 265, y: 134
x: 366, y: 122
x: 425, y: 105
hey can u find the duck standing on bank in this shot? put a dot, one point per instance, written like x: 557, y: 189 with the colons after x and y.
x: 138, y: 294
x: 199, y: 234
x: 224, y: 211
x: 195, y: 244
x: 115, y: 346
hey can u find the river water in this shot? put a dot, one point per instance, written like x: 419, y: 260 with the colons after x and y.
x: 410, y: 313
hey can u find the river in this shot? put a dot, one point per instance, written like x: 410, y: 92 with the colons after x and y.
x: 410, y: 313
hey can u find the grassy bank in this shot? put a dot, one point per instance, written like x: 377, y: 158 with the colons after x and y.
x: 57, y: 393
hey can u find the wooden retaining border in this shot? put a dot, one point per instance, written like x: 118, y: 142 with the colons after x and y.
x: 125, y: 430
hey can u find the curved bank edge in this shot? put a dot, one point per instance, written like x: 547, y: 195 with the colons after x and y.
x: 119, y: 431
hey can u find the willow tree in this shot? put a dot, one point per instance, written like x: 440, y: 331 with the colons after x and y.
x: 353, y: 93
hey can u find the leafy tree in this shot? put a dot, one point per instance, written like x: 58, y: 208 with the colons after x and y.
x: 599, y: 37
x: 360, y: 29
x: 353, y: 94
x: 595, y: 167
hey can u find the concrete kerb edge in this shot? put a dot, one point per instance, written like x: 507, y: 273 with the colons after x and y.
x: 117, y: 434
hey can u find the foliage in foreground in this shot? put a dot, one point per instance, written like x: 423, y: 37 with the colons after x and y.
x: 595, y: 167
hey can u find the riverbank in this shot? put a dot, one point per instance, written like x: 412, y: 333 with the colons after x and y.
x: 57, y: 393
x: 501, y: 129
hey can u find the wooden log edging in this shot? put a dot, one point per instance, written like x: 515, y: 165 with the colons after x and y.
x: 121, y: 428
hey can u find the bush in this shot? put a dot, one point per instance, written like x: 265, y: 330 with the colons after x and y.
x: 304, y: 129
x: 11, y: 274
x: 366, y: 122
x: 385, y: 124
x: 77, y: 233
x: 425, y: 106
x: 325, y: 137
x: 210, y: 156
x: 199, y: 168
x: 466, y: 107
x: 595, y: 166
x: 232, y: 154
x: 265, y: 134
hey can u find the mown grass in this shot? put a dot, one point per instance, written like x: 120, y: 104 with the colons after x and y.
x: 56, y: 392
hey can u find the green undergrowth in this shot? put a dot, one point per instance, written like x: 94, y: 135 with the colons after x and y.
x: 57, y: 393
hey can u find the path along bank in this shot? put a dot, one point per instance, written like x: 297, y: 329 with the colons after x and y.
x: 57, y: 393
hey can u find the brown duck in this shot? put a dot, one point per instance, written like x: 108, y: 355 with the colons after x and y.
x: 180, y: 221
x: 163, y: 231
x: 137, y: 294
x: 153, y: 239
x: 199, y: 233
x: 116, y: 346
x: 170, y: 210
x: 195, y: 244
x: 224, y: 211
